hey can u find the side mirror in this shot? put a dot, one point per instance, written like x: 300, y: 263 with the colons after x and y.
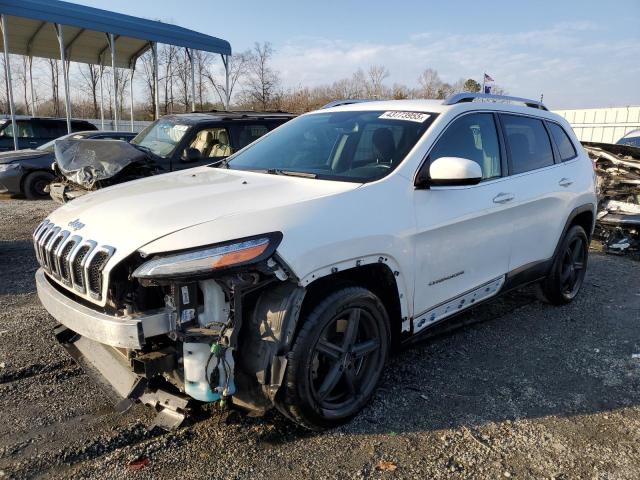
x: 191, y: 155
x: 449, y: 171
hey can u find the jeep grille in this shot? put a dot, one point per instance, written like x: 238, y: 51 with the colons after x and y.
x: 75, y: 262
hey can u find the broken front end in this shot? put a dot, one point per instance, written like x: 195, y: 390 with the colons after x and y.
x: 205, y: 325
x: 618, y: 178
x: 85, y: 165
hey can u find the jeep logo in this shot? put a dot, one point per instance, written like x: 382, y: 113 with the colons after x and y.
x: 76, y: 224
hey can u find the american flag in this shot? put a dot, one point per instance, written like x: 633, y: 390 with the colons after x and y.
x: 487, y: 78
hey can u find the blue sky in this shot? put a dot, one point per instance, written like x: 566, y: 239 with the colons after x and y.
x: 578, y: 53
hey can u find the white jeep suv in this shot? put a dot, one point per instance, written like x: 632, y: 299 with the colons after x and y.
x: 285, y: 276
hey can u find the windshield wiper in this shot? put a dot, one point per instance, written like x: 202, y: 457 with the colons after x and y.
x: 145, y: 149
x: 290, y: 173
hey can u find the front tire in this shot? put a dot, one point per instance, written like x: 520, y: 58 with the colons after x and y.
x: 34, y: 184
x: 569, y: 268
x: 336, y: 360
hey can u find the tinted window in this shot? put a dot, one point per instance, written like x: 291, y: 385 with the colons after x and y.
x: 528, y: 143
x: 52, y: 128
x: 246, y: 134
x: 25, y: 130
x: 473, y: 137
x: 80, y: 126
x: 565, y: 147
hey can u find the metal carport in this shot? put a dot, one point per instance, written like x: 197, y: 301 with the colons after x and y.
x: 76, y: 33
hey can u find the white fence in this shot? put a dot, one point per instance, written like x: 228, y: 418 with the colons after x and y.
x: 606, y: 125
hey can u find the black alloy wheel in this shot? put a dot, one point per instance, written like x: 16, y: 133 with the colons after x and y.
x: 569, y: 268
x: 336, y: 360
x: 572, y: 272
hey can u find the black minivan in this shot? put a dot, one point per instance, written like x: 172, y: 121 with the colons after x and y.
x: 36, y: 131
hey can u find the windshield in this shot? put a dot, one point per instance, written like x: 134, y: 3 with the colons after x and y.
x: 349, y: 146
x: 161, y: 137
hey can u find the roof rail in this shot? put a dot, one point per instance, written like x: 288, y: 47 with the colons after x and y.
x: 345, y: 101
x: 470, y: 97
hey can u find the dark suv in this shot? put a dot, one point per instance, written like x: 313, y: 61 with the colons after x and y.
x: 34, y: 131
x: 173, y: 142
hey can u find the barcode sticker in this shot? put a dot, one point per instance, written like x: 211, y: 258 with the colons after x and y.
x: 409, y: 116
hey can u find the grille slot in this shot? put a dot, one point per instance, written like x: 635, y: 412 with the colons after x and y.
x: 94, y: 279
x: 65, y: 272
x: 77, y: 271
x: 53, y: 264
x: 75, y: 262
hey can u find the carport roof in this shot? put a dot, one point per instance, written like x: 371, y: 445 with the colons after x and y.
x: 31, y: 31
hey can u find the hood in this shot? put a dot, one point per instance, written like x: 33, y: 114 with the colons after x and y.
x: 133, y: 214
x: 88, y: 161
x: 12, y: 156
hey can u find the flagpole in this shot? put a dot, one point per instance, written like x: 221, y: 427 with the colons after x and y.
x: 483, y: 77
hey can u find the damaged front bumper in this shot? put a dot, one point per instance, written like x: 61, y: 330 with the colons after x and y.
x: 100, y: 344
x: 61, y: 192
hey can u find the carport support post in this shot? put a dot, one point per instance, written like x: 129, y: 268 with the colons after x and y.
x: 101, y: 97
x: 65, y: 75
x: 7, y: 76
x: 225, y: 61
x: 112, y: 45
x: 156, y: 93
x: 33, y: 95
x: 193, y: 80
x: 133, y: 69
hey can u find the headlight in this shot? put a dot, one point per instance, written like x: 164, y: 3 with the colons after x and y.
x: 8, y: 166
x: 206, y: 260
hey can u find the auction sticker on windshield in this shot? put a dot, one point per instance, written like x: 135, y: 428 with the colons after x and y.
x: 410, y: 116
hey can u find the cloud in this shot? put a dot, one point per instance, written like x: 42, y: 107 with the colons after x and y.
x: 569, y: 62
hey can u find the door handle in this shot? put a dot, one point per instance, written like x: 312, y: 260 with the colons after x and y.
x: 503, y: 197
x: 565, y: 182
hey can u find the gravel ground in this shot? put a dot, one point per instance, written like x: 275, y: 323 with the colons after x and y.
x: 526, y: 391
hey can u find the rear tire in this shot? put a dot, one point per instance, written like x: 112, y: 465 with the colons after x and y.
x: 34, y: 184
x: 569, y: 268
x: 336, y: 360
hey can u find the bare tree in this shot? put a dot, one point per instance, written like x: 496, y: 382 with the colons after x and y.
x: 169, y: 54
x: 90, y: 80
x: 262, y: 81
x: 430, y: 83
x: 377, y: 74
x: 183, y: 76
x: 238, y: 66
x: 55, y: 85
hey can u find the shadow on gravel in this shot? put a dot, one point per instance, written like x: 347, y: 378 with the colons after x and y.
x: 18, y: 266
x: 514, y: 358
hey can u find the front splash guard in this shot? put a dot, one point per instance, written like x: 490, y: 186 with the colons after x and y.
x: 110, y: 369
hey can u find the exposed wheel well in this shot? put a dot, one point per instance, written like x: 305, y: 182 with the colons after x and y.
x: 585, y: 220
x: 378, y: 278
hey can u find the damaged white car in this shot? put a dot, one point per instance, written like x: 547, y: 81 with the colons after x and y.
x: 285, y: 277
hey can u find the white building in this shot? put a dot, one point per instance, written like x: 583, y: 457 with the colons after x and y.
x: 606, y: 125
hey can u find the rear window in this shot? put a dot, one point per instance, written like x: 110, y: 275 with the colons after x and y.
x: 565, y: 147
x: 528, y: 143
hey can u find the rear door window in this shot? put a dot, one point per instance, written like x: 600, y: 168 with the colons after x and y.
x: 473, y: 137
x: 565, y: 147
x: 244, y: 134
x: 51, y: 128
x: 527, y: 142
